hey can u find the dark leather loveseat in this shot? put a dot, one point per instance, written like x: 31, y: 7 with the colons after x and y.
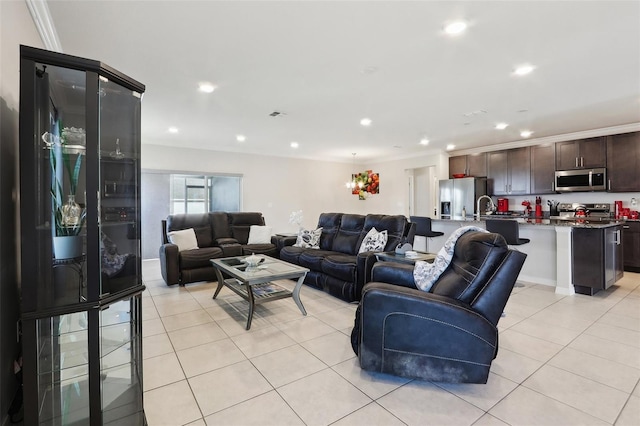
x: 336, y: 267
x: 219, y: 234
x: 448, y: 334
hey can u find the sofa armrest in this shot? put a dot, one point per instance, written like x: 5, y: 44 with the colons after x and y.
x: 170, y: 263
x: 366, y: 262
x: 395, y: 320
x: 281, y: 242
x: 393, y: 273
x: 225, y: 241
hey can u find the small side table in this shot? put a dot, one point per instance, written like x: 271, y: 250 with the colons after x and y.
x: 391, y: 256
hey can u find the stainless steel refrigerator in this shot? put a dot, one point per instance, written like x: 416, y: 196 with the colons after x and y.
x: 457, y: 195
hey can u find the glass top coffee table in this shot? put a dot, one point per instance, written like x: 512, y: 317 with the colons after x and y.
x: 254, y: 284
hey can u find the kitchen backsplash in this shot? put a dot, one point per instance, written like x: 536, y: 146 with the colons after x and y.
x: 515, y: 202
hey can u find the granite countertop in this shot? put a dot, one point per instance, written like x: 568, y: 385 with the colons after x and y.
x: 572, y: 222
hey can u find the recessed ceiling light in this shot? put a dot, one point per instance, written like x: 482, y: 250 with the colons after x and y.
x: 450, y: 147
x: 523, y: 69
x: 241, y: 138
x: 365, y: 122
x: 294, y: 144
x: 173, y: 130
x: 526, y: 133
x: 424, y: 141
x: 501, y: 126
x: 455, y: 28
x: 206, y: 87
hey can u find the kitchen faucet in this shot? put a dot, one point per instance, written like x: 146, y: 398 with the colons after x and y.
x: 492, y: 206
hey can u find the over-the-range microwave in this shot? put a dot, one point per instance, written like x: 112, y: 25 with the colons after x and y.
x: 581, y: 180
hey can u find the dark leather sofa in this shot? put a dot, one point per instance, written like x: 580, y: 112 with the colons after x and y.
x: 448, y: 334
x: 336, y: 267
x: 219, y: 234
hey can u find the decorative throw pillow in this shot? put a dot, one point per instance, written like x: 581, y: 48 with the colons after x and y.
x: 308, y: 239
x: 185, y: 239
x: 374, y: 241
x: 259, y: 234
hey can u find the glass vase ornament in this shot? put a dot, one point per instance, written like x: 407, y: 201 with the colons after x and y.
x: 71, y: 212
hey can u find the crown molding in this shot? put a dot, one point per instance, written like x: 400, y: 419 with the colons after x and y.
x: 44, y: 24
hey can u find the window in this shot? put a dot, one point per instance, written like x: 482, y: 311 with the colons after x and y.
x: 205, y: 193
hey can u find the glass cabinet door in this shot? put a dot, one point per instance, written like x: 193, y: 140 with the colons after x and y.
x: 59, y: 210
x: 120, y: 248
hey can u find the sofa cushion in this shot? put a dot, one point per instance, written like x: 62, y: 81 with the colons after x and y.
x: 341, y: 266
x: 313, y: 259
x: 291, y: 254
x: 240, y: 224
x: 394, y: 225
x: 268, y: 249
x: 348, y: 238
x: 259, y: 234
x: 203, y: 235
x: 198, y: 258
x: 175, y: 222
x: 330, y: 223
x: 185, y: 239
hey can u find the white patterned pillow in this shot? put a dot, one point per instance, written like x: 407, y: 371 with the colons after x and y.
x: 308, y: 239
x: 374, y: 241
x: 185, y: 239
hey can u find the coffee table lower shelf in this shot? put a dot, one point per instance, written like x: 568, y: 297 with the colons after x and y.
x: 261, y: 292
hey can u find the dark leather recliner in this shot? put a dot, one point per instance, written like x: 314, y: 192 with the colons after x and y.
x: 448, y: 334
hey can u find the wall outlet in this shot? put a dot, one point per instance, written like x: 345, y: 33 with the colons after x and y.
x: 634, y: 202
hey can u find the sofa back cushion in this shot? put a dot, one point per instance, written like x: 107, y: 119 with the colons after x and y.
x: 330, y: 223
x: 178, y: 222
x: 476, y: 257
x: 394, y: 225
x: 348, y: 237
x: 220, y: 225
x: 240, y: 224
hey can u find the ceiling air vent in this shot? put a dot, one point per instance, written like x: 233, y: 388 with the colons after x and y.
x: 275, y: 114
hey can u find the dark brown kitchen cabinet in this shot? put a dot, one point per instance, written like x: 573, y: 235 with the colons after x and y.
x: 509, y: 171
x: 631, y: 246
x: 623, y: 162
x: 597, y: 258
x: 457, y: 165
x: 471, y: 165
x: 543, y: 160
x: 581, y: 154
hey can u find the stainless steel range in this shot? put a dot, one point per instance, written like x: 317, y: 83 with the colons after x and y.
x: 595, y: 210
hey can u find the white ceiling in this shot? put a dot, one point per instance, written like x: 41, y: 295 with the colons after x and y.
x: 327, y: 64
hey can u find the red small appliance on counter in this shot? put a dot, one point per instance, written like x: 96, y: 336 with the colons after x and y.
x: 503, y: 205
x: 538, y: 207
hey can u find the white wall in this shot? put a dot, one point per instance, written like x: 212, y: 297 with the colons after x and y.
x: 16, y: 27
x: 275, y: 186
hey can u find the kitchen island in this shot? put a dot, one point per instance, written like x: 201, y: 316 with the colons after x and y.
x: 549, y: 254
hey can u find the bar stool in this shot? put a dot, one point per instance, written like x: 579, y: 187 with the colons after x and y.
x: 423, y: 228
x: 508, y: 229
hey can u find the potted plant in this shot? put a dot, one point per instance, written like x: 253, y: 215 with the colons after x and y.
x: 67, y: 216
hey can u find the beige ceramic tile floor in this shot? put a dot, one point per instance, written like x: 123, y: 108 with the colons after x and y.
x: 571, y: 360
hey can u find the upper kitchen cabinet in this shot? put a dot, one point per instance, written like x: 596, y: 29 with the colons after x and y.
x: 543, y: 169
x: 623, y: 162
x: 509, y: 172
x: 581, y: 154
x: 470, y: 165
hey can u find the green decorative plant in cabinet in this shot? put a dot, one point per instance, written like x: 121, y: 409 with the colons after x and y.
x: 80, y: 301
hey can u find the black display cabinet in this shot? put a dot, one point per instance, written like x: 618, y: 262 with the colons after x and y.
x: 80, y: 241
